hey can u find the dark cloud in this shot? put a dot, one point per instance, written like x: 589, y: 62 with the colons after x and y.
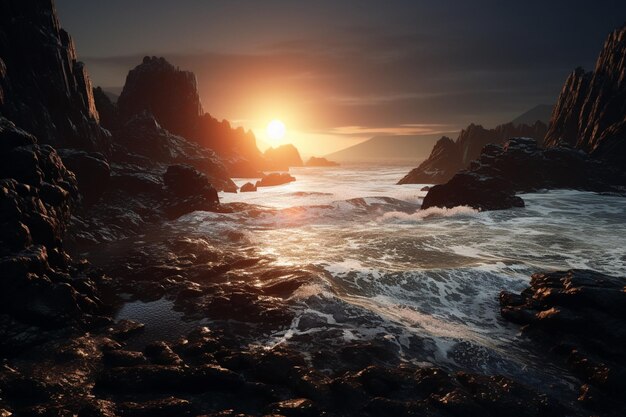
x: 366, y: 63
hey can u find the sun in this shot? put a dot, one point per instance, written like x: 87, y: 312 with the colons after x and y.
x: 276, y: 131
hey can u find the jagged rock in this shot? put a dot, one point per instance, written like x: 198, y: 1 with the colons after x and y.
x: 143, y: 141
x: 282, y: 158
x: 37, y: 193
x: 171, y: 95
x: 107, y: 110
x: 191, y: 190
x: 581, y: 316
x: 320, y: 162
x: 55, y: 101
x: 247, y: 187
x: 164, y: 90
x: 443, y: 162
x: 275, y: 178
x: 490, y: 183
x: 448, y: 156
x: 590, y: 113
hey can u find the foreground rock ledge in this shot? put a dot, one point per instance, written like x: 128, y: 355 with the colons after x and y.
x: 580, y: 316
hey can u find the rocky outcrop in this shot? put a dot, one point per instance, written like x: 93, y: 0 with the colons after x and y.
x: 40, y: 287
x: 247, y: 188
x: 275, y: 178
x: 190, y: 189
x: 282, y: 158
x: 490, y: 182
x: 590, y: 113
x: 142, y: 141
x: 443, y: 162
x: 43, y: 88
x: 448, y: 157
x: 320, y: 162
x: 579, y: 316
x: 164, y: 90
x: 171, y: 95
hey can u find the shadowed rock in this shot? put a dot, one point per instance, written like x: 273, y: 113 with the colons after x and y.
x: 43, y: 87
x: 590, y: 113
x: 448, y: 156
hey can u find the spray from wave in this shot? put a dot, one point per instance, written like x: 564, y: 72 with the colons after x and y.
x: 432, y: 212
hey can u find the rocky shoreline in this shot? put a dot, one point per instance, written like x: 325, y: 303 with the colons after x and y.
x: 111, y: 193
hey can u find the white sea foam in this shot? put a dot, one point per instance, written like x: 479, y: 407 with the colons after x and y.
x: 431, y: 212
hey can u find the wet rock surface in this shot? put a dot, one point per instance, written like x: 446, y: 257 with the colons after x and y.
x: 491, y: 182
x: 579, y: 316
x: 41, y: 287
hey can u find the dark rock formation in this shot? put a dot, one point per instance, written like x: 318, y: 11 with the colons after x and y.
x: 474, y: 190
x: 580, y: 316
x: 142, y: 141
x: 590, y: 113
x: 171, y: 95
x: 520, y: 165
x: 320, y: 162
x: 191, y: 190
x: 275, y: 178
x: 164, y: 90
x: 448, y: 157
x: 247, y: 187
x: 443, y: 162
x: 43, y: 88
x: 107, y: 110
x: 39, y: 287
x: 282, y: 158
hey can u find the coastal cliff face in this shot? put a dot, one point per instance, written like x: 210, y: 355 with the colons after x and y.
x: 590, y: 113
x: 171, y: 95
x: 43, y: 88
x: 448, y: 156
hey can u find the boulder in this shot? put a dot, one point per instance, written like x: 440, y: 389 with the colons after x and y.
x: 189, y: 189
x: 247, y: 187
x: 275, y: 178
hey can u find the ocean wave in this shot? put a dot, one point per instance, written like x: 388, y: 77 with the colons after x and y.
x: 432, y: 212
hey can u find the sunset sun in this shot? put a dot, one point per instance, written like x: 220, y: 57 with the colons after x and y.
x: 276, y: 131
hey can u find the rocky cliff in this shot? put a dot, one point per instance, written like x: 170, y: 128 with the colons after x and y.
x: 448, y: 157
x: 43, y: 88
x: 171, y: 95
x: 590, y: 113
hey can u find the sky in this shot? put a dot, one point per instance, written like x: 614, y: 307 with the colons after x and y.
x: 338, y: 72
